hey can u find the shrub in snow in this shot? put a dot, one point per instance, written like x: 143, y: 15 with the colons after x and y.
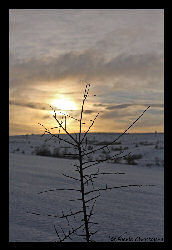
x: 56, y: 152
x: 157, y: 161
x: 107, y: 143
x: 145, y: 143
x: 43, y: 150
x: 116, y: 160
x: 157, y: 145
x: 90, y: 147
x: 130, y: 159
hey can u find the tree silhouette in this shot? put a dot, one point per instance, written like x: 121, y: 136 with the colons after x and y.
x: 88, y: 192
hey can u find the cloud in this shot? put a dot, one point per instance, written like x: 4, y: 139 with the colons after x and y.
x: 51, y: 51
x: 54, y: 31
x: 136, y: 65
x: 88, y: 65
x: 45, y: 117
x: 35, y: 105
x: 125, y: 111
x: 117, y: 114
x: 122, y: 106
x: 89, y: 111
x: 99, y: 105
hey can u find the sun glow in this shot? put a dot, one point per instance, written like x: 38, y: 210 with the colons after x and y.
x: 64, y: 104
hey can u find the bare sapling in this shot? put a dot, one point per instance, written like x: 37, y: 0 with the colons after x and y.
x: 87, y: 172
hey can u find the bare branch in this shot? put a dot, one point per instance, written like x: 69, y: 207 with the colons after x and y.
x: 57, y: 234
x: 59, y: 189
x: 90, y: 152
x: 71, y: 232
x: 71, y: 177
x: 89, y: 127
x: 71, y: 214
x: 123, y: 186
x: 65, y: 129
x: 60, y: 125
x: 56, y: 136
x: 52, y: 215
x: 69, y: 116
x: 82, y: 109
x: 91, y: 211
x: 92, y: 198
x: 107, y: 159
x: 90, y: 178
x: 112, y: 173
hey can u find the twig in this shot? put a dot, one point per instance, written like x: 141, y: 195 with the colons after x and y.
x: 90, y: 152
x: 54, y: 135
x: 100, y: 161
x: 123, y: 186
x: 57, y: 234
x: 71, y: 232
x: 60, y: 125
x: 69, y: 116
x: 89, y: 127
x: 59, y: 189
x: 92, y: 198
x: 71, y: 177
x: 105, y: 159
x: 71, y: 214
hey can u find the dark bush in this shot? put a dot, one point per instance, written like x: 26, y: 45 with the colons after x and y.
x: 43, y: 150
x: 56, y: 152
x: 90, y: 147
x: 117, y: 160
x: 119, y: 148
x: 130, y: 159
x: 107, y: 143
x: 145, y: 143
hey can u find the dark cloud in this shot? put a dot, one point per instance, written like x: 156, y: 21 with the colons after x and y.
x: 136, y: 65
x: 46, y: 117
x: 89, y: 111
x: 120, y: 106
x: 123, y: 106
x: 35, y: 105
x: 117, y: 114
x: 99, y: 105
x: 123, y: 111
x: 87, y: 65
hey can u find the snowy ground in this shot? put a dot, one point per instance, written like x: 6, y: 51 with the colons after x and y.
x: 136, y: 213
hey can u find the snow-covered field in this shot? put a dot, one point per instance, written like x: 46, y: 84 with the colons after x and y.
x: 136, y: 213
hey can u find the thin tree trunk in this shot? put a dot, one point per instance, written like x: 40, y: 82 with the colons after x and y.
x: 82, y: 178
x: 83, y: 195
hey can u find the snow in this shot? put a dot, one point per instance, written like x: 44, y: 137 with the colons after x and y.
x: 129, y: 211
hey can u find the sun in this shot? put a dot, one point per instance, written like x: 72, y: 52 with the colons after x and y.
x: 64, y: 104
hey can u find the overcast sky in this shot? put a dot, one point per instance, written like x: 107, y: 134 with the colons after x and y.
x: 55, y: 52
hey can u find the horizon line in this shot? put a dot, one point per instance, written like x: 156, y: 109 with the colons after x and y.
x: 93, y: 133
